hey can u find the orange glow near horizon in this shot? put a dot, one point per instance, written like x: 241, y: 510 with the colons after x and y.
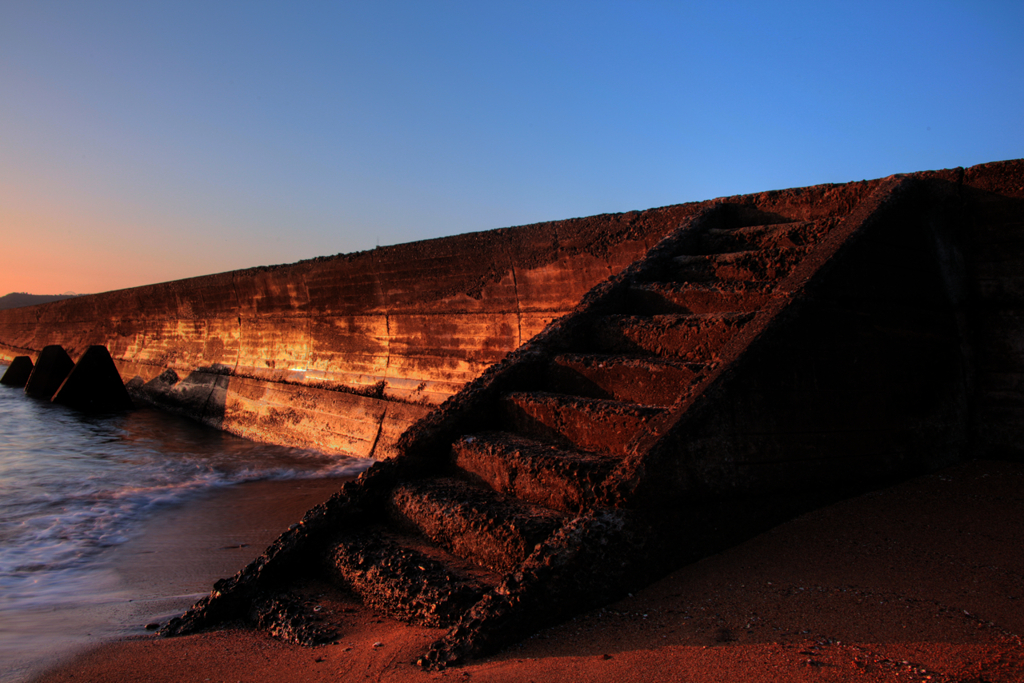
x: 42, y: 258
x: 48, y: 252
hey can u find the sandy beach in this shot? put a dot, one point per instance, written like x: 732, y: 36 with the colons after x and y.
x: 171, y: 562
x: 918, y: 582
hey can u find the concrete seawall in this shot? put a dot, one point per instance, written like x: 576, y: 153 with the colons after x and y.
x: 344, y: 353
x: 340, y: 353
x: 751, y: 357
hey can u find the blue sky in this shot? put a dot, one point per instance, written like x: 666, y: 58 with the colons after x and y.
x: 143, y: 142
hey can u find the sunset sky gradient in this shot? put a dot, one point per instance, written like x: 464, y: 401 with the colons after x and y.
x: 145, y: 142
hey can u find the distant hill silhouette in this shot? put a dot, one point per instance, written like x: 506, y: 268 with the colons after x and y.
x: 19, y: 299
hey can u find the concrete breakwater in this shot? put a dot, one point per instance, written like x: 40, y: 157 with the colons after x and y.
x: 770, y: 353
x: 340, y: 353
x: 344, y: 353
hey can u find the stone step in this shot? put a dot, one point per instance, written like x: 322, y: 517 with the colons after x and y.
x: 478, y: 524
x: 590, y: 424
x: 694, y: 337
x: 649, y: 380
x: 744, y: 266
x: 796, y: 234
x: 535, y: 471
x: 405, y: 578
x: 697, y: 297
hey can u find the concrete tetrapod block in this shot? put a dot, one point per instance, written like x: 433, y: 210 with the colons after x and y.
x: 17, y: 372
x: 94, y: 384
x: 52, y: 366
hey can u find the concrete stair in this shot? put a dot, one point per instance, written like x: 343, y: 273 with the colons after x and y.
x: 762, y: 237
x: 405, y: 578
x: 490, y: 529
x: 441, y: 540
x: 698, y: 297
x: 738, y: 266
x: 586, y: 423
x: 636, y: 379
x: 515, y: 504
x: 565, y: 429
x: 538, y: 472
x: 692, y: 337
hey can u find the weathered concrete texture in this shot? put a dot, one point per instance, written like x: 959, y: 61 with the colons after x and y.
x: 588, y: 424
x: 405, y: 581
x: 94, y: 384
x: 291, y: 618
x: 534, y: 471
x: 596, y: 554
x: 475, y: 476
x: 496, y: 531
x: 775, y: 352
x: 857, y: 371
x: 17, y: 372
x: 342, y: 353
x: 52, y: 366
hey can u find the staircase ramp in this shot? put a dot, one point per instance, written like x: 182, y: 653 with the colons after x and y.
x: 554, y: 482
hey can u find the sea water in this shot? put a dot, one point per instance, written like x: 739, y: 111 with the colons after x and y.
x: 74, y: 485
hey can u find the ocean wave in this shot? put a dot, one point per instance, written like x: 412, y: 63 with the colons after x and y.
x: 72, y: 486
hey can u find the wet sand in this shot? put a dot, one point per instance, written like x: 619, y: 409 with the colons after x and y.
x: 181, y: 553
x: 920, y: 582
x: 168, y: 565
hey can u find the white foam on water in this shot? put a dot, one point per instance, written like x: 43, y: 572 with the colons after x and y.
x: 73, y: 485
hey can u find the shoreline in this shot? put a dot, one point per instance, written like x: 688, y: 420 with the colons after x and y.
x: 171, y: 561
x: 921, y: 581
x: 179, y: 554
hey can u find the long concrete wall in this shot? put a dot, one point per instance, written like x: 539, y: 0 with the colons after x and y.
x: 344, y: 353
x: 341, y: 353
